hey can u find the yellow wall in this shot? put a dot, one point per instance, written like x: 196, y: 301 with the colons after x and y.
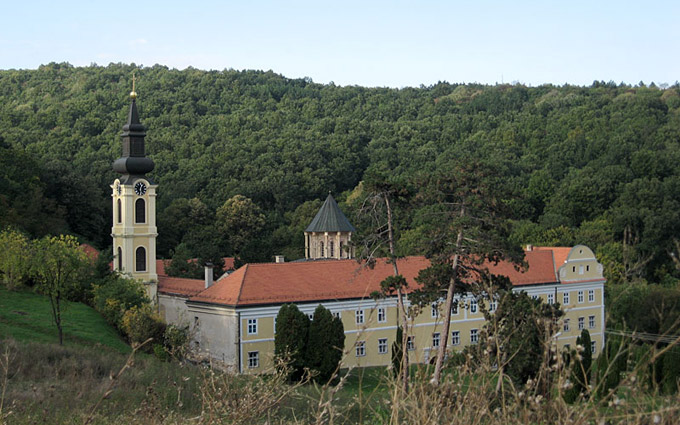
x: 422, y: 328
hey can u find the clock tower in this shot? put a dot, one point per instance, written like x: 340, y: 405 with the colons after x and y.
x: 134, y: 207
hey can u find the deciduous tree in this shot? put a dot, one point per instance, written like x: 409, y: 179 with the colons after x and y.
x: 57, y: 263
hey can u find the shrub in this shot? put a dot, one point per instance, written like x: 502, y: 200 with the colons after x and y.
x: 115, y: 296
x: 671, y: 370
x: 176, y: 339
x: 142, y: 323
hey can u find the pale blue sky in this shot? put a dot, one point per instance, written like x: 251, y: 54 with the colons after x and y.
x: 369, y: 43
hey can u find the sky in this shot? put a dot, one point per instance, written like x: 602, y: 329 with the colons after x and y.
x: 367, y: 43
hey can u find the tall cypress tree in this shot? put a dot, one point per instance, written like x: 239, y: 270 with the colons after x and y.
x: 582, y: 360
x: 397, y: 352
x: 290, y: 340
x: 325, y: 344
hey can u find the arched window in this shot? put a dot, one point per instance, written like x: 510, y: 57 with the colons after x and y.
x: 341, y: 249
x: 321, y: 249
x: 140, y: 211
x: 120, y: 259
x: 140, y: 259
x: 331, y: 249
x: 120, y: 212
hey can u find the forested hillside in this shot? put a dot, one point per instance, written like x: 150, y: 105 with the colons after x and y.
x: 598, y: 165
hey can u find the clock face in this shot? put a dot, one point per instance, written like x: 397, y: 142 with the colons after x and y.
x: 140, y: 188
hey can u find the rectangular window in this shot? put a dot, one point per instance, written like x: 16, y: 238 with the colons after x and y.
x: 591, y: 295
x: 435, y: 340
x: 534, y: 297
x: 361, y: 348
x: 565, y: 327
x: 382, y: 317
x: 493, y: 305
x: 551, y: 298
x: 454, y: 307
x: 253, y: 359
x: 587, y: 268
x: 359, y: 316
x: 435, y: 310
x: 455, y: 338
x: 337, y: 315
x: 581, y: 323
x: 593, y: 346
x: 252, y: 326
x: 591, y: 322
x: 565, y: 298
x: 411, y: 343
x: 310, y: 316
x: 580, y: 297
x: 474, y: 336
x: 580, y: 269
x: 473, y: 305
x: 382, y: 346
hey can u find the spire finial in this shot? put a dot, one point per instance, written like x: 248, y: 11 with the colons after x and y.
x: 133, y: 93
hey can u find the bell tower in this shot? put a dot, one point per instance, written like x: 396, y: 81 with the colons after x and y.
x: 134, y: 206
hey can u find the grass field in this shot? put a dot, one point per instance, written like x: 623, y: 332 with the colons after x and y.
x: 26, y: 316
x: 42, y: 382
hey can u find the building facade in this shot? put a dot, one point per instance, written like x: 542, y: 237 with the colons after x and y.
x: 233, y: 321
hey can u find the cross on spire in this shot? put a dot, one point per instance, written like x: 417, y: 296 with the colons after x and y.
x: 133, y: 93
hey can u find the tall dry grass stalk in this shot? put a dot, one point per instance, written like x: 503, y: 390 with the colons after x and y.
x: 6, y: 358
x: 477, y: 392
x: 230, y: 398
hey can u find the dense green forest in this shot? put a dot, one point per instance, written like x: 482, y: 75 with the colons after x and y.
x: 244, y: 158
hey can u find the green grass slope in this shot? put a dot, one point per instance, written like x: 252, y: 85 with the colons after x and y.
x: 26, y: 316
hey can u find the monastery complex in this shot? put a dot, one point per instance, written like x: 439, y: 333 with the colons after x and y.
x: 233, y: 319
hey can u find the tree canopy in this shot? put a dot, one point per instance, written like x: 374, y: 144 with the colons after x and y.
x: 578, y: 160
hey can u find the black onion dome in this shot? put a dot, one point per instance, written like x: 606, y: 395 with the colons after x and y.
x: 134, y: 160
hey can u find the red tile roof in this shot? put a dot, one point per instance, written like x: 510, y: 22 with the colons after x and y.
x: 273, y: 283
x: 180, y: 286
x: 559, y: 252
x: 91, y: 252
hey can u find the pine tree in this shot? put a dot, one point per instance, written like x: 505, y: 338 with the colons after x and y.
x: 466, y: 216
x: 290, y: 340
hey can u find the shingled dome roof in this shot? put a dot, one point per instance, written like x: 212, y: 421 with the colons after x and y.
x: 330, y: 219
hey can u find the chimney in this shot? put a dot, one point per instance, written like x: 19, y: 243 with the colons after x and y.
x: 279, y: 259
x: 529, y: 248
x: 208, y: 275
